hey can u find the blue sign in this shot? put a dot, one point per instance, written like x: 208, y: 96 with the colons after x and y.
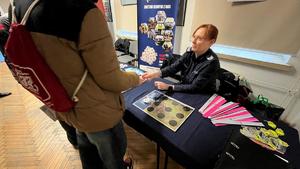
x: 156, y: 30
x: 1, y: 57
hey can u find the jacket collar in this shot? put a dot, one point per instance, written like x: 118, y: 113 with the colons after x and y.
x: 203, y: 57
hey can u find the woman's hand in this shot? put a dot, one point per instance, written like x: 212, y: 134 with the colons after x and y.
x: 141, y: 80
x: 149, y: 76
x: 161, y: 85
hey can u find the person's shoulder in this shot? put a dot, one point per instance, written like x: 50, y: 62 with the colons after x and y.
x: 82, y: 5
x: 50, y: 16
x: 188, y: 53
x: 211, y: 56
x: 74, y: 7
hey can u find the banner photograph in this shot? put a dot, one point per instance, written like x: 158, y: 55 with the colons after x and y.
x: 156, y: 31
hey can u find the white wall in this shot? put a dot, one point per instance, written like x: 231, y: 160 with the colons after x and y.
x: 187, y: 28
x: 125, y: 16
x: 4, y: 5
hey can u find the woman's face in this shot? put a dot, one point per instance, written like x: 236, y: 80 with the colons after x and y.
x: 200, y: 42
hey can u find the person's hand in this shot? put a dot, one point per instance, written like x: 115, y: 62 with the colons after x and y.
x: 149, y: 76
x: 141, y: 80
x: 161, y: 85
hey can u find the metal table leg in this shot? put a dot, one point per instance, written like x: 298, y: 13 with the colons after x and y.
x: 166, y: 161
x: 157, y: 155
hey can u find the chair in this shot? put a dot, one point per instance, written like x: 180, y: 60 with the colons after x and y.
x: 122, y: 46
x: 170, y: 60
x: 131, y: 56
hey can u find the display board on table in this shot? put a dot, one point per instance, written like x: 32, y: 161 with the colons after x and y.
x: 165, y: 109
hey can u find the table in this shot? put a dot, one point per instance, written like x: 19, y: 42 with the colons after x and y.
x: 197, y: 143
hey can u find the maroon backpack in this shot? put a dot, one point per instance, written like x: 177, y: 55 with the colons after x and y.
x: 31, y: 70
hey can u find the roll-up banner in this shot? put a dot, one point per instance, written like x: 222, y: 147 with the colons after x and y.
x: 156, y: 31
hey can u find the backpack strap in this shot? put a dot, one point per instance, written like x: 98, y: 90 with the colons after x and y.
x: 26, y: 15
x: 13, y: 15
x: 74, y: 97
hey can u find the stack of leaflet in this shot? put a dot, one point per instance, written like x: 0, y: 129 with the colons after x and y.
x: 223, y: 113
x: 128, y: 68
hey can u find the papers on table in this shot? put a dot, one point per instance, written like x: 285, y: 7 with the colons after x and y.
x: 267, y: 138
x: 222, y: 113
x: 128, y: 68
x: 165, y: 109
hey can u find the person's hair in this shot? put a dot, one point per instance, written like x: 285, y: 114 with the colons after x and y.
x: 211, y: 31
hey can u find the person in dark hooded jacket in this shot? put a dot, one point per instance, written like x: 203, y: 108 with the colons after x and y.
x: 199, y: 67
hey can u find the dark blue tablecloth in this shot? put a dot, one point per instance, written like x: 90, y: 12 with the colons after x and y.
x: 197, y: 143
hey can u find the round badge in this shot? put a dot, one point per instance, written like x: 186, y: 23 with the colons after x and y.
x: 279, y: 131
x: 271, y: 124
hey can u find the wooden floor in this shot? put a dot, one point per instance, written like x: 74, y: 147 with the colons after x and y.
x: 29, y: 139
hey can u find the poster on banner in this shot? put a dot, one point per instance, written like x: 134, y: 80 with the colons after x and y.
x: 156, y: 31
x: 106, y: 8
